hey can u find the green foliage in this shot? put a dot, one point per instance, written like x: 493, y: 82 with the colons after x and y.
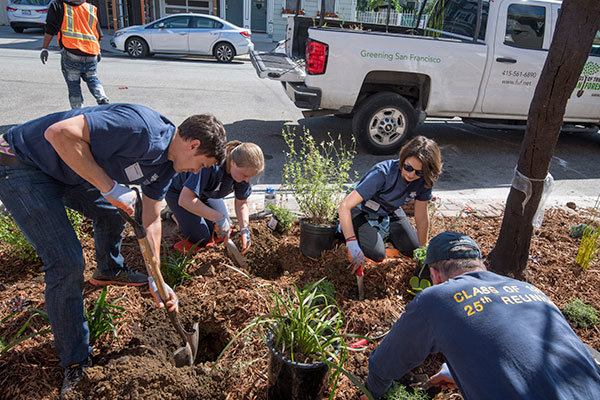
x: 418, y: 285
x: 317, y: 173
x: 400, y: 392
x: 104, y: 317
x: 439, y: 223
x: 285, y: 218
x: 577, y: 230
x: 12, y: 237
x: 304, y: 326
x: 373, y: 4
x: 581, y: 314
x: 322, y: 287
x: 419, y: 255
x: 175, y: 264
x: 590, y: 241
x: 7, y: 343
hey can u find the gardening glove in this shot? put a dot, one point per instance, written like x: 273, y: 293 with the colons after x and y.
x: 155, y: 294
x: 443, y: 378
x: 99, y: 56
x: 245, y: 240
x: 355, y: 253
x: 222, y: 227
x: 121, y: 197
x: 44, y: 56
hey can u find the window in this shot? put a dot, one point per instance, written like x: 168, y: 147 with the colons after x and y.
x: 596, y: 45
x: 525, y: 26
x: 292, y: 4
x: 31, y: 2
x: 173, y: 23
x: 458, y: 18
x: 207, y: 23
x: 329, y: 6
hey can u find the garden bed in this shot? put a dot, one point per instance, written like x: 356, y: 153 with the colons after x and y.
x: 138, y: 365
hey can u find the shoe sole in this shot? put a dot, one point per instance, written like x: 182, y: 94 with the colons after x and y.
x: 96, y: 282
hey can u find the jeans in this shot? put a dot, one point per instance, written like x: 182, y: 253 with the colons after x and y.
x: 37, y: 203
x: 76, y: 67
x: 193, y: 227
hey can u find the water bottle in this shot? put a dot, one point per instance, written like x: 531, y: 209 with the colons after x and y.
x: 269, y: 198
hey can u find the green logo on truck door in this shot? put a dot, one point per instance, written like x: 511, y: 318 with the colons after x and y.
x: 587, y: 80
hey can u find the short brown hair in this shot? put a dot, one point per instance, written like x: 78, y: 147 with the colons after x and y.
x: 428, y: 153
x: 209, y: 131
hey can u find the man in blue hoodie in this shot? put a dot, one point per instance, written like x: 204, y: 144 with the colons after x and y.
x: 502, y: 338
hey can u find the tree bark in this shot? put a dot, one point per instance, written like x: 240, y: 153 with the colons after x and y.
x: 578, y: 22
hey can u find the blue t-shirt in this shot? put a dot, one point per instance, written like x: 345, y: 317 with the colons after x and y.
x: 383, y: 190
x: 210, y: 183
x: 129, y: 142
x: 502, y: 338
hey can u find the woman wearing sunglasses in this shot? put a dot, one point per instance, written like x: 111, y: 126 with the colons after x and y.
x: 373, y: 210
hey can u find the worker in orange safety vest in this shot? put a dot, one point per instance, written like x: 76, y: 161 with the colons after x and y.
x: 79, y: 33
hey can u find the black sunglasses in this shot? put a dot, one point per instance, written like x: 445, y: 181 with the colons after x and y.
x: 409, y: 168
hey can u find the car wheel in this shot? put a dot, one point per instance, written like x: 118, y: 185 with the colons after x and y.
x: 224, y: 52
x: 17, y: 29
x: 136, y: 47
x: 384, y: 122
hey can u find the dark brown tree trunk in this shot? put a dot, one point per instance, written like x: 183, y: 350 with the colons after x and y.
x: 578, y: 22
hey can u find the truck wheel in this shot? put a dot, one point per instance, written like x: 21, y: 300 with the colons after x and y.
x: 383, y: 123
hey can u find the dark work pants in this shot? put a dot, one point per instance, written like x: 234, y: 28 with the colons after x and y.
x: 402, y: 235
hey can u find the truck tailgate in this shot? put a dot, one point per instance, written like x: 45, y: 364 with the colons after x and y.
x: 277, y: 66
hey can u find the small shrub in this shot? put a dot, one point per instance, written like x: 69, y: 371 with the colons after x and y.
x: 104, y: 317
x: 400, y: 392
x: 323, y: 287
x: 590, y: 241
x: 10, y: 341
x: 581, y: 314
x: 285, y: 218
x: 438, y: 223
x: 174, y: 266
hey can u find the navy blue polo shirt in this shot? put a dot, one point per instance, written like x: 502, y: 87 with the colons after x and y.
x: 129, y: 142
x: 384, y: 187
x: 211, y: 183
x: 502, y: 338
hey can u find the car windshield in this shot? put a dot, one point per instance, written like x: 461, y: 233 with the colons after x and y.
x: 31, y: 2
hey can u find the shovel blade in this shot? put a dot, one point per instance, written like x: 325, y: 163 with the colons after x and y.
x: 186, y: 356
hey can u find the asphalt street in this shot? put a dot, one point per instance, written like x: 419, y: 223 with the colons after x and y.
x: 478, y: 163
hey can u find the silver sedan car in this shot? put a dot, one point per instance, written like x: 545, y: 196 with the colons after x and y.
x: 185, y: 34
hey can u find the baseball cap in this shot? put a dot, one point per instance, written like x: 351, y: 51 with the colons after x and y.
x: 441, y: 247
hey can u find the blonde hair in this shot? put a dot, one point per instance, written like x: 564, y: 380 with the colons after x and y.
x: 245, y: 155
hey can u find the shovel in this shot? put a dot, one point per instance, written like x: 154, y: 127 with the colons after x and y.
x: 184, y: 355
x: 234, y: 253
x: 360, y: 277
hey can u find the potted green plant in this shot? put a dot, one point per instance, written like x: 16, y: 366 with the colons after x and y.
x: 282, y: 218
x: 302, y: 330
x: 317, y: 173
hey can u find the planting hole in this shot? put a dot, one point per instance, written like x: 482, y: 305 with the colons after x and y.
x: 212, y: 340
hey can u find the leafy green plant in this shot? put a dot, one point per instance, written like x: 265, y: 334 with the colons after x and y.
x: 285, y: 217
x: 321, y: 287
x: 304, y: 326
x: 417, y: 285
x: 419, y: 255
x: 317, y: 173
x: 7, y: 343
x: 581, y: 314
x: 590, y: 243
x: 12, y: 237
x: 103, y: 317
x: 175, y: 264
x: 400, y: 392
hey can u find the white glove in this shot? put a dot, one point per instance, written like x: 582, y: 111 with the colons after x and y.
x: 356, y: 254
x: 245, y: 240
x: 121, y: 197
x: 155, y: 294
x: 222, y: 227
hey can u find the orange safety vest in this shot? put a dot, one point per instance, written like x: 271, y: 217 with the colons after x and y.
x: 79, y: 28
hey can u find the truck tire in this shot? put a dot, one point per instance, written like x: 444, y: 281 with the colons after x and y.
x: 384, y: 122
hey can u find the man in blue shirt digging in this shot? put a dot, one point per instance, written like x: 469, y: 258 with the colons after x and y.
x: 502, y: 338
x: 82, y: 159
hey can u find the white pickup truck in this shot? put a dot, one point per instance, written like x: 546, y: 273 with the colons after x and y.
x: 390, y: 81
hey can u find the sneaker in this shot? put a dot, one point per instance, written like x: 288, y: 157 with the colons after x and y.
x: 124, y: 277
x: 73, y: 375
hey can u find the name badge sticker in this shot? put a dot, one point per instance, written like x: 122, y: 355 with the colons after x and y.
x: 373, y: 205
x: 134, y: 172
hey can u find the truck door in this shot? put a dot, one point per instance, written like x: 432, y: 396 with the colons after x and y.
x: 523, y: 35
x: 584, y: 102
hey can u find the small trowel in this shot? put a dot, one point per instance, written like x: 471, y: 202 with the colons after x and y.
x: 234, y: 253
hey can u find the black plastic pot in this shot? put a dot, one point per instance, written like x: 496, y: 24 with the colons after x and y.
x: 294, y: 381
x: 314, y: 239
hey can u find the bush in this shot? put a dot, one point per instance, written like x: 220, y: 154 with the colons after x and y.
x: 400, y: 392
x: 285, y: 218
x: 323, y: 287
x: 581, y: 314
x: 590, y: 240
x: 174, y: 266
x: 317, y: 173
x: 104, y: 317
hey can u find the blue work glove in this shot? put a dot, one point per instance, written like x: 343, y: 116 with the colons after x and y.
x: 156, y: 295
x: 222, y: 227
x: 44, y: 56
x: 355, y: 253
x: 245, y: 240
x: 121, y: 197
